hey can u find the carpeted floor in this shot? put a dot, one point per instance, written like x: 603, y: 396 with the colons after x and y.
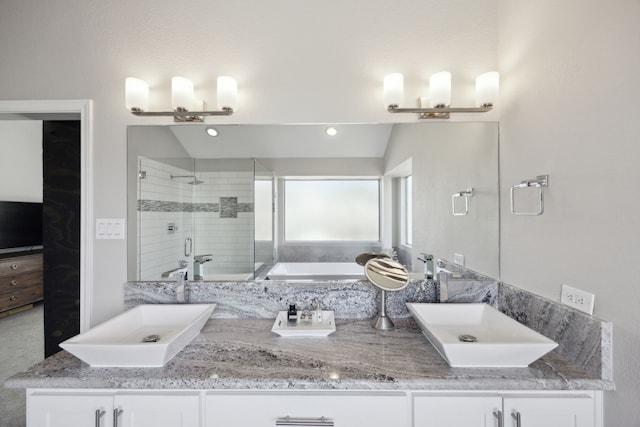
x: 21, y: 345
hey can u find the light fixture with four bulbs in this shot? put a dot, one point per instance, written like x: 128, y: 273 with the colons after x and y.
x: 439, y: 100
x: 182, y: 99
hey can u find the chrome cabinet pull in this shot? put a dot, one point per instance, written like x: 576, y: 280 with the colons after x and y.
x: 516, y: 416
x: 14, y: 266
x: 498, y: 415
x: 14, y: 282
x: 12, y: 298
x: 99, y: 414
x: 116, y: 414
x: 304, y: 422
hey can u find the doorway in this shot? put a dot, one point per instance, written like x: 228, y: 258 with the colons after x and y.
x: 74, y: 214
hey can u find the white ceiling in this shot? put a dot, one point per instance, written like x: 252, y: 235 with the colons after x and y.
x: 284, y: 141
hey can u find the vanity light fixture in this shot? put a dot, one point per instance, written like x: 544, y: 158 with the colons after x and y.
x: 439, y: 100
x: 182, y: 99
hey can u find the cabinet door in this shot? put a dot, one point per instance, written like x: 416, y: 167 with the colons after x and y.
x: 69, y: 410
x: 457, y: 411
x: 337, y: 409
x: 158, y: 410
x: 550, y: 411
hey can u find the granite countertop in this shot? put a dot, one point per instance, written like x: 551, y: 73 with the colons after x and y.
x: 245, y: 354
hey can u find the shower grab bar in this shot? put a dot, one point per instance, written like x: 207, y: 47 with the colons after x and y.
x: 539, y: 182
x: 466, y: 194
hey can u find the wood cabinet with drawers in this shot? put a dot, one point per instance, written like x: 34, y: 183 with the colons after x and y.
x: 20, y: 281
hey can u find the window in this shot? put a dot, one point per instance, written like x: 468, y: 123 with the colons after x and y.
x: 407, y: 208
x: 263, y: 209
x: 332, y: 210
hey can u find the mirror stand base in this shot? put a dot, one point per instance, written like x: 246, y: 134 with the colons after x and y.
x: 383, y: 323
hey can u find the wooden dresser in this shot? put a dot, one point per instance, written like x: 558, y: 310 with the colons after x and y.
x: 20, y: 282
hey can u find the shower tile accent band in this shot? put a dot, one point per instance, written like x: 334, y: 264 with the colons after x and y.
x: 167, y: 206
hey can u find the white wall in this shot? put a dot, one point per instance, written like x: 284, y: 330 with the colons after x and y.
x: 469, y: 159
x: 21, y: 160
x: 570, y: 106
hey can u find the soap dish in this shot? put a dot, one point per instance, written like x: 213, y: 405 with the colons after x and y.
x: 300, y: 328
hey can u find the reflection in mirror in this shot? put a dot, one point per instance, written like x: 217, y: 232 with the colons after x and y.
x: 219, y: 203
x: 387, y: 275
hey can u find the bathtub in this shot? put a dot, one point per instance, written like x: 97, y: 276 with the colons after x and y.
x: 316, y: 271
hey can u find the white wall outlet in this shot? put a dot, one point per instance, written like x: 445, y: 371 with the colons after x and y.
x: 458, y: 259
x: 578, y: 299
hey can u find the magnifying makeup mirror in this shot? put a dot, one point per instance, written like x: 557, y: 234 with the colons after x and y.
x: 388, y: 276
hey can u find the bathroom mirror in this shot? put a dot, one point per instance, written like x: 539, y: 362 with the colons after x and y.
x: 191, y: 194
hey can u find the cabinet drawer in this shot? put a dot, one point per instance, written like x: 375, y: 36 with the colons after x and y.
x: 342, y: 409
x: 20, y: 281
x: 21, y: 296
x: 21, y: 264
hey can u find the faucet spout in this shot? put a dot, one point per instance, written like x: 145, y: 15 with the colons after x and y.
x: 428, y: 265
x: 181, y: 274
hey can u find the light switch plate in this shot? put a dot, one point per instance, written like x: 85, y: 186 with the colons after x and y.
x: 110, y: 228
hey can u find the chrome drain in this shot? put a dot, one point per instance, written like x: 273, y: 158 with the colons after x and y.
x: 467, y: 338
x: 151, y: 338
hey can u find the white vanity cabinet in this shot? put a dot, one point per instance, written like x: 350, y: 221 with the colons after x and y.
x: 571, y: 409
x: 87, y: 408
x: 306, y: 408
x: 456, y: 410
x: 301, y: 409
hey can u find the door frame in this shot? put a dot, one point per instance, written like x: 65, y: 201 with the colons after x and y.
x: 83, y: 107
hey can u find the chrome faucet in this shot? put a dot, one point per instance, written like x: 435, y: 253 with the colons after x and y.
x: 428, y: 265
x: 181, y: 274
x: 443, y: 280
x: 198, y: 260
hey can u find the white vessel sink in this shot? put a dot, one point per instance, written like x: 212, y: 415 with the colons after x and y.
x: 478, y: 335
x: 145, y: 336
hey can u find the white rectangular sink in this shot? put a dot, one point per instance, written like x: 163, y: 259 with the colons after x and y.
x: 145, y: 336
x: 478, y: 335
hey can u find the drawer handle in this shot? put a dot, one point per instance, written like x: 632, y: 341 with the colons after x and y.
x: 116, y: 414
x: 14, y: 282
x: 13, y: 298
x: 14, y: 266
x: 312, y: 422
x: 498, y: 415
x: 99, y: 414
x: 516, y: 416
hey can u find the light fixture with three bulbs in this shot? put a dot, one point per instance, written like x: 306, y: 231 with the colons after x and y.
x: 185, y: 107
x: 439, y: 100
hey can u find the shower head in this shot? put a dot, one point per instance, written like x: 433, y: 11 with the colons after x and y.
x: 194, y: 180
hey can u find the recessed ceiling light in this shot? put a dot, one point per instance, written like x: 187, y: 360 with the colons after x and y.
x: 331, y: 131
x: 212, y: 132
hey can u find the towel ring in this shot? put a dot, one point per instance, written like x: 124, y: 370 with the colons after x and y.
x: 540, y: 182
x: 466, y: 194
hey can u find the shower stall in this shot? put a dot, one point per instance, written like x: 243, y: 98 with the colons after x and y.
x: 203, y: 211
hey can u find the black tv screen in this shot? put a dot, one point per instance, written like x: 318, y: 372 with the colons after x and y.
x: 20, y: 225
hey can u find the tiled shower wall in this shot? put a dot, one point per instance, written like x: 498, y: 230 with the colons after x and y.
x: 227, y: 233
x: 220, y: 209
x: 162, y: 201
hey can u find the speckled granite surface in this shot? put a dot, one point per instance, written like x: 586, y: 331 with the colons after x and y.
x: 237, y: 350
x: 245, y: 354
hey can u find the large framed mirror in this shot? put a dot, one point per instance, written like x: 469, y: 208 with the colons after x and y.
x: 292, y: 202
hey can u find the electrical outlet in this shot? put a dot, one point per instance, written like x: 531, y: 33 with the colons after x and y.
x: 458, y: 259
x: 578, y: 299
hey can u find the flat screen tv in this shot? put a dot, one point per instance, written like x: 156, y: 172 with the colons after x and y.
x: 20, y: 225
